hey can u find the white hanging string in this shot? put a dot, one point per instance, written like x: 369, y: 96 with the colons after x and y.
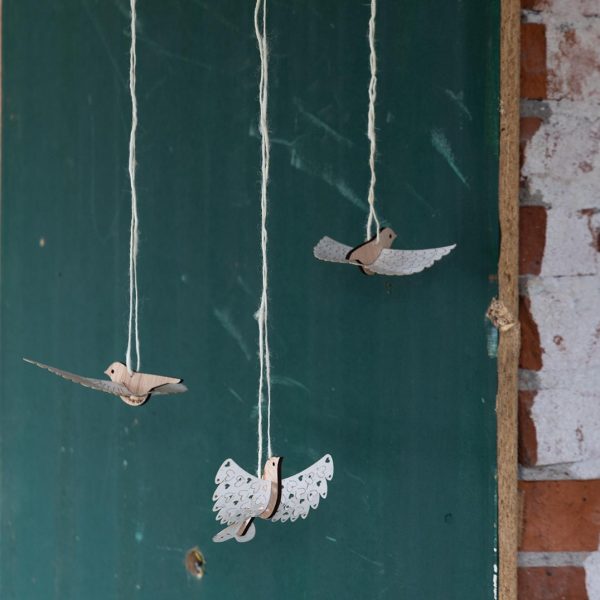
x: 371, y: 124
x: 133, y: 234
x: 260, y: 27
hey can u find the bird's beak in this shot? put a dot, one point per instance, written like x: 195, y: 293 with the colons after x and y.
x: 106, y: 372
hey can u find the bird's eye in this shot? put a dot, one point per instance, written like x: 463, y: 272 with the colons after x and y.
x: 390, y: 236
x: 112, y: 370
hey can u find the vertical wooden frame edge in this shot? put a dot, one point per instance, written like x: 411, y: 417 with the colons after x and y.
x: 508, y: 275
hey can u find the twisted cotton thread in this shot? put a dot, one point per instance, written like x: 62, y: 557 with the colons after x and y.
x: 133, y: 233
x: 371, y: 124
x: 262, y: 315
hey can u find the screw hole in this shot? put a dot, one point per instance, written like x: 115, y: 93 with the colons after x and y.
x: 195, y: 563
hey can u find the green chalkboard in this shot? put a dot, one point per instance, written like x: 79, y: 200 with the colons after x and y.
x: 395, y: 377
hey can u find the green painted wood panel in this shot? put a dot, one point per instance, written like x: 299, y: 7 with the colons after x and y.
x: 393, y: 376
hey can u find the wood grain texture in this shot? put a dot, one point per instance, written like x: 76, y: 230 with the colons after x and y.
x: 508, y: 350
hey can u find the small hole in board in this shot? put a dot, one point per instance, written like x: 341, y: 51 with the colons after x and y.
x: 195, y: 563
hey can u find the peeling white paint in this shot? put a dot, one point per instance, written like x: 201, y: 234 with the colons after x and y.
x: 566, y: 435
x: 592, y: 575
x: 552, y: 559
x: 571, y: 238
x: 562, y: 167
x: 562, y: 160
x: 583, y: 469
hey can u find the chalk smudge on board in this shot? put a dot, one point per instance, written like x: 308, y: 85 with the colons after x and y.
x: 323, y: 173
x: 326, y: 175
x: 420, y: 198
x: 245, y: 287
x: 369, y: 560
x: 235, y: 395
x: 459, y: 100
x: 355, y: 477
x: 288, y: 382
x: 229, y: 326
x: 317, y: 122
x: 139, y: 533
x: 440, y: 142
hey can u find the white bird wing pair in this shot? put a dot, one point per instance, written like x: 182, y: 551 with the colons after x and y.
x: 390, y: 262
x: 240, y: 496
x: 105, y: 385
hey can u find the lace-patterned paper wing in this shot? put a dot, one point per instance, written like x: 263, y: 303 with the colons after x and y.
x: 239, y: 495
x: 102, y: 385
x: 331, y: 251
x: 407, y: 262
x: 303, y: 491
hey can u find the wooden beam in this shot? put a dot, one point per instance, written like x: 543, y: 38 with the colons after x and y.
x: 508, y: 274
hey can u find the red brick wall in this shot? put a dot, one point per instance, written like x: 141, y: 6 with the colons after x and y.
x: 559, y: 401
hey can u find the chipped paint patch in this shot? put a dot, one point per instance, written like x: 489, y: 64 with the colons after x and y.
x: 491, y: 334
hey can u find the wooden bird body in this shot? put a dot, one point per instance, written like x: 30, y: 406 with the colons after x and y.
x: 377, y: 256
x: 139, y: 384
x: 272, y: 474
x: 241, y: 497
x: 368, y: 252
x: 134, y: 389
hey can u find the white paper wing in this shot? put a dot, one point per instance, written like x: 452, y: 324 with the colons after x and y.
x: 407, y: 262
x: 231, y: 533
x: 239, y: 495
x: 102, y: 385
x: 303, y: 491
x: 332, y: 251
x: 169, y: 388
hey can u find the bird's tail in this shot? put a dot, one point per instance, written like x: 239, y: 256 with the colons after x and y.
x: 232, y: 532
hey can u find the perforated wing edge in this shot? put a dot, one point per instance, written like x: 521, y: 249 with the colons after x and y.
x: 303, y: 491
x: 329, y: 250
x: 408, y: 262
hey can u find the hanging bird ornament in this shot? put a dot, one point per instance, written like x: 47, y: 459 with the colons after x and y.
x: 133, y: 388
x: 375, y: 254
x: 240, y: 498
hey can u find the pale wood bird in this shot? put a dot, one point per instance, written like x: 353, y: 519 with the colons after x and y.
x: 134, y: 389
x: 241, y: 497
x: 377, y: 256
